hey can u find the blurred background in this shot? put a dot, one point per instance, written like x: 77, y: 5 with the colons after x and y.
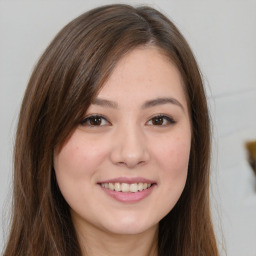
x: 222, y: 35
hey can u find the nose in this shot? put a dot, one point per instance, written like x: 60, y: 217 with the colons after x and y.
x: 129, y: 148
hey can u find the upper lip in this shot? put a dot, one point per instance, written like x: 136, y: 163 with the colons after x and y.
x: 128, y: 180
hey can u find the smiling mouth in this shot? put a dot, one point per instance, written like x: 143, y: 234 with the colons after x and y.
x: 125, y: 187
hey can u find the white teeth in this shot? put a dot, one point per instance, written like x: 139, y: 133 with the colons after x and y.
x: 140, y: 186
x: 134, y: 187
x: 111, y: 186
x: 117, y: 187
x: 125, y: 187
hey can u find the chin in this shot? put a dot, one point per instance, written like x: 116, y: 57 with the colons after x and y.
x: 130, y: 226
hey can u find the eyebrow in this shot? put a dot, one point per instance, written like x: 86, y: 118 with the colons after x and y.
x: 147, y: 104
x: 162, y: 101
x: 105, y: 103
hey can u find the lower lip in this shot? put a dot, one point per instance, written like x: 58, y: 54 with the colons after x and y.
x: 129, y: 197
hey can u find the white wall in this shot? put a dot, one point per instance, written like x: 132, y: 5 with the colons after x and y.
x: 223, y: 37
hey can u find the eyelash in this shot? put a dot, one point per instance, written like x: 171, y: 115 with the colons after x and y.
x: 91, y: 117
x: 164, y: 118
x: 168, y: 119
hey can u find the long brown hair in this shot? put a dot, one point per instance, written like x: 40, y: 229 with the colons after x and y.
x: 66, y: 79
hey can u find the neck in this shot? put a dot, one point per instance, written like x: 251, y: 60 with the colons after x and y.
x: 96, y: 242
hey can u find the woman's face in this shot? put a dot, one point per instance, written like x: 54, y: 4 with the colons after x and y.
x: 125, y: 166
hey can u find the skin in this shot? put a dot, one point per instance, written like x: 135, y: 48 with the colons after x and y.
x: 128, y: 142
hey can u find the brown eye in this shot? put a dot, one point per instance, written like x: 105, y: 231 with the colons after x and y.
x: 161, y: 120
x: 95, y: 121
x: 158, y: 120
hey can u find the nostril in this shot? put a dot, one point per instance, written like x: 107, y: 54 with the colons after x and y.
x: 131, y: 163
x: 141, y: 162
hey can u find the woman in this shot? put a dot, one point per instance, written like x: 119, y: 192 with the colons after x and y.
x: 113, y: 143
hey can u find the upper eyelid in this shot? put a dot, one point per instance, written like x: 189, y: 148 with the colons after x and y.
x: 162, y: 115
x: 95, y: 115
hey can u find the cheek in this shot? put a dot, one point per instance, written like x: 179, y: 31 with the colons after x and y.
x: 175, y: 152
x: 171, y: 161
x: 172, y: 158
x: 76, y: 164
x: 78, y: 157
x: 70, y: 162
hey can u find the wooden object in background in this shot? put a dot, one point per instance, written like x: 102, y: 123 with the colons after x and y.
x: 251, y: 149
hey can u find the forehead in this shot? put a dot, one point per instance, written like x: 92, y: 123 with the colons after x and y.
x: 144, y: 72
